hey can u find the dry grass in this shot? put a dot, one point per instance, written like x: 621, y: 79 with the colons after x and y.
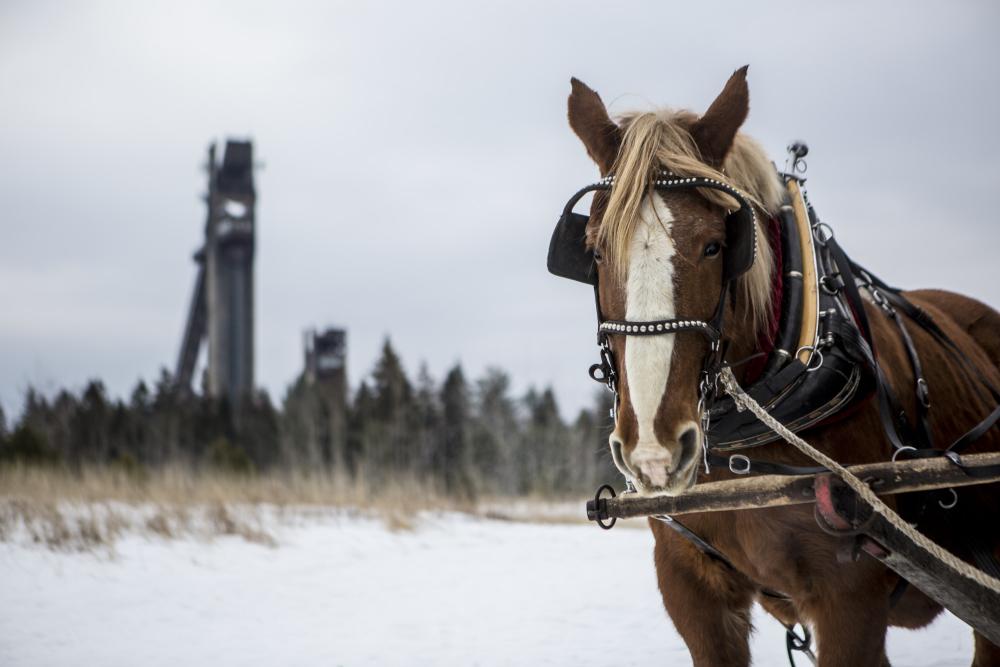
x: 185, y: 487
x: 45, y: 523
x: 89, y: 509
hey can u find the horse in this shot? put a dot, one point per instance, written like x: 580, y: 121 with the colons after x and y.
x: 660, y: 255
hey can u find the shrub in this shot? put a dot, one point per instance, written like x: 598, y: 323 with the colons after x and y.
x: 26, y: 447
x: 224, y: 455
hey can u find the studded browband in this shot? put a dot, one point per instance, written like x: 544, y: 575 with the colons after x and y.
x: 657, y: 327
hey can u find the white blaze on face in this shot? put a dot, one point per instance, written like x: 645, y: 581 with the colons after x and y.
x: 650, y: 296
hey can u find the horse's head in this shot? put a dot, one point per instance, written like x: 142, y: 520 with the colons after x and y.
x: 662, y: 255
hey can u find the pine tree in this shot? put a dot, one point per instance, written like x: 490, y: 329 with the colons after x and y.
x: 91, y: 432
x: 360, y: 422
x: 496, y: 433
x: 453, y: 455
x: 547, y: 465
x: 393, y: 413
x: 300, y: 440
x: 257, y: 433
x: 427, y: 423
x: 165, y: 432
x: 466, y: 439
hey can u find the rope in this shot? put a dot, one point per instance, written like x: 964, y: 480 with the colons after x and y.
x: 745, y: 402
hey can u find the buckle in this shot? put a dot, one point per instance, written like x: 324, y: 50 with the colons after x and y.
x: 832, y: 283
x: 922, y: 393
x: 743, y: 469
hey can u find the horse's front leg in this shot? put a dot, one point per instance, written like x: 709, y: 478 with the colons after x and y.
x: 709, y: 604
x: 987, y: 653
x: 850, y: 623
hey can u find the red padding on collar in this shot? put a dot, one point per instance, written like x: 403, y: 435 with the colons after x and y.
x: 765, y: 342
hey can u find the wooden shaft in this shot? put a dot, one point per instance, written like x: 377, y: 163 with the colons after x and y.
x: 743, y: 493
x: 975, y: 604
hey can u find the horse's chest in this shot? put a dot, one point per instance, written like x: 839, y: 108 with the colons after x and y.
x: 779, y: 549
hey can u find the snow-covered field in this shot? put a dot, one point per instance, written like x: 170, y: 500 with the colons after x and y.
x: 344, y: 590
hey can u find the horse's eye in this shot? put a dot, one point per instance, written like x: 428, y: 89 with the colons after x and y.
x: 598, y: 256
x: 713, y: 249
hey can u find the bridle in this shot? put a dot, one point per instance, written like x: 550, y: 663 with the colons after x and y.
x: 569, y: 257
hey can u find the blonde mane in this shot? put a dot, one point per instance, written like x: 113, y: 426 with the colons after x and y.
x: 652, y: 141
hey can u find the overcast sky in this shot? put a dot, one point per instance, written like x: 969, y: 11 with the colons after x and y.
x: 416, y: 155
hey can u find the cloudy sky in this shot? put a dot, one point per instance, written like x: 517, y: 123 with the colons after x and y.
x: 415, y: 156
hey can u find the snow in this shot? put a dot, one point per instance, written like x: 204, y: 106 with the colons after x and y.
x: 345, y: 590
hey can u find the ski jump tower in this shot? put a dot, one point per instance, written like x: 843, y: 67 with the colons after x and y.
x: 221, y: 309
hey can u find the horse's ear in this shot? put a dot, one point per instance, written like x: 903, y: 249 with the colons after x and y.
x: 714, y: 132
x: 590, y: 121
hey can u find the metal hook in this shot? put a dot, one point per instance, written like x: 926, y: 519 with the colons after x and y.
x: 596, y: 509
x: 819, y: 364
x: 815, y: 353
x: 801, y: 643
x: 823, y: 233
x: 952, y: 502
x: 899, y: 451
x: 796, y: 151
x: 598, y: 373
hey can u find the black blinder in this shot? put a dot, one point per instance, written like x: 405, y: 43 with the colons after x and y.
x: 741, y: 243
x: 569, y: 256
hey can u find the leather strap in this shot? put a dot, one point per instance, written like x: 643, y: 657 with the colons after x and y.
x: 744, y: 465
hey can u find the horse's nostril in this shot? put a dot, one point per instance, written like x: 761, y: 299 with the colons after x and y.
x: 617, y: 456
x: 689, y: 438
x: 689, y: 446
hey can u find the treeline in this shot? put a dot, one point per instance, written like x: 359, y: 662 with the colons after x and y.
x: 464, y: 437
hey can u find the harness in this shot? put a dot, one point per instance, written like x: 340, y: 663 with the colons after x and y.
x: 823, y: 358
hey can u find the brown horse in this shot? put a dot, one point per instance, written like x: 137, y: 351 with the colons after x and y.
x: 659, y: 257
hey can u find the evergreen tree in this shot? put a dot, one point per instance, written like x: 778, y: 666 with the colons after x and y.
x: 257, y: 433
x: 393, y: 413
x: 467, y: 439
x: 452, y: 460
x: 27, y: 447
x: 360, y: 421
x: 496, y: 433
x: 138, y: 437
x: 546, y: 465
x: 300, y: 438
x: 37, y: 414
x: 427, y: 423
x: 60, y: 420
x: 166, y: 427
x: 90, y: 429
